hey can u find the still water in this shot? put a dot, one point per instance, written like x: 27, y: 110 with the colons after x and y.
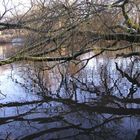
x: 67, y: 101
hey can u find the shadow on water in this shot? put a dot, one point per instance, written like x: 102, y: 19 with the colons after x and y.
x: 84, y: 99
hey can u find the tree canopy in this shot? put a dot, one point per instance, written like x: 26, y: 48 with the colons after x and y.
x: 81, y: 58
x: 76, y: 27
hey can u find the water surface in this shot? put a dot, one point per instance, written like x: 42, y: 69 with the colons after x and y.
x: 59, y: 103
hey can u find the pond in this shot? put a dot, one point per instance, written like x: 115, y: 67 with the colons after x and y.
x: 91, y: 99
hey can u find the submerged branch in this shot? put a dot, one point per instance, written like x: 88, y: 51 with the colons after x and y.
x: 15, y: 104
x: 84, y: 106
x: 40, y: 133
x: 98, y: 109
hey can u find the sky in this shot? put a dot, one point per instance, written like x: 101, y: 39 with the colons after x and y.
x: 16, y: 5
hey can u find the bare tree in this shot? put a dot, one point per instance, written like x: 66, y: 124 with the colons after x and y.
x: 77, y: 28
x: 58, y: 33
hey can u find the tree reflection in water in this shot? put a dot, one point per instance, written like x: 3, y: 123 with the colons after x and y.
x: 99, y: 101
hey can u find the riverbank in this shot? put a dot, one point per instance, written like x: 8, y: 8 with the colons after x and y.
x: 4, y: 39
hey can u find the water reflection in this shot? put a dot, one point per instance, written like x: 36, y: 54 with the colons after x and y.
x: 100, y: 101
x: 8, y: 50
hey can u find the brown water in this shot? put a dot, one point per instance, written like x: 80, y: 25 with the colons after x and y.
x: 67, y: 97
